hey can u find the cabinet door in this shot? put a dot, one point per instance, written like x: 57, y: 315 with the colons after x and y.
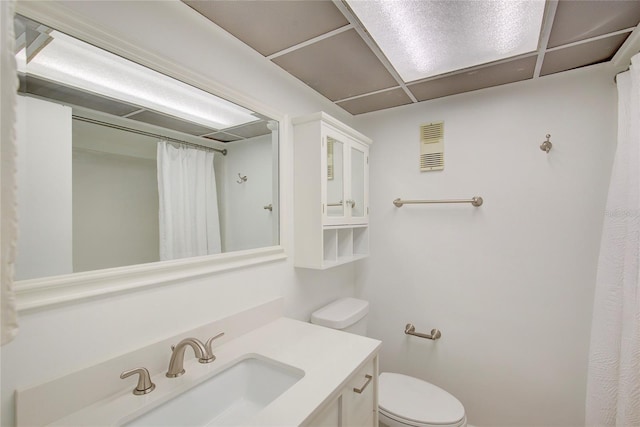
x: 335, y: 178
x: 345, y: 180
x: 360, y: 397
x: 357, y: 203
x: 330, y: 416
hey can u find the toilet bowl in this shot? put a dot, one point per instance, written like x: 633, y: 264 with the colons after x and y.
x: 403, y: 401
x: 408, y: 401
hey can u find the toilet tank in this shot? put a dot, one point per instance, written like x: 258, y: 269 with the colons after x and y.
x: 345, y: 314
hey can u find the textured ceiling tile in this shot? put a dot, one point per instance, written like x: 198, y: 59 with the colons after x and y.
x: 378, y: 101
x: 493, y: 75
x: 251, y: 130
x: 580, y: 20
x: 581, y: 55
x: 222, y: 137
x: 338, y: 67
x: 271, y: 26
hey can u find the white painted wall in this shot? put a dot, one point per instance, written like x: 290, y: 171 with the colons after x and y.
x: 115, y: 208
x: 43, y: 135
x: 509, y: 284
x: 247, y: 224
x: 115, y: 198
x: 57, y: 341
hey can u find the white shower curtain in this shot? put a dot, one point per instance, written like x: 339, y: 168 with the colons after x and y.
x: 8, y: 228
x: 613, y: 383
x: 189, y: 224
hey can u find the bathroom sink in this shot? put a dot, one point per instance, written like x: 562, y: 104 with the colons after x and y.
x: 229, y: 398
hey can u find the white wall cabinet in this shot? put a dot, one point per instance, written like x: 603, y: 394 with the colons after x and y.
x: 331, y: 189
x: 357, y: 403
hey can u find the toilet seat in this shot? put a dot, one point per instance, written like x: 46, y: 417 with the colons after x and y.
x: 410, y: 401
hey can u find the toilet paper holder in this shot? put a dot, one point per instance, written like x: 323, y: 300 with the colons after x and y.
x: 411, y: 330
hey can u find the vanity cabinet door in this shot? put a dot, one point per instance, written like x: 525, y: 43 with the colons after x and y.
x: 361, y: 397
x: 357, y: 404
x: 331, y: 416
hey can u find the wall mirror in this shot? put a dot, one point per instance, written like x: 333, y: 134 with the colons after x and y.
x: 122, y: 166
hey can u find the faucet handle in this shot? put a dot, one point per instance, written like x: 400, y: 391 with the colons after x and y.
x: 144, y: 380
x: 210, y: 356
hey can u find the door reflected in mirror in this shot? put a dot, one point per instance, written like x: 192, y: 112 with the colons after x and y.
x: 120, y: 165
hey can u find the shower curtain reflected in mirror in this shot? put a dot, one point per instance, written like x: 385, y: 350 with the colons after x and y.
x: 188, y: 214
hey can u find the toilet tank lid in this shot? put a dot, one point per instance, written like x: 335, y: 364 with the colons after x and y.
x: 341, y: 313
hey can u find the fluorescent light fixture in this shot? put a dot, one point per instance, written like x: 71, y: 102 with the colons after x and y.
x: 425, y: 38
x: 78, y: 64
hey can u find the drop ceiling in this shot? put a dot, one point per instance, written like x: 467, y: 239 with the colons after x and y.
x: 323, y: 44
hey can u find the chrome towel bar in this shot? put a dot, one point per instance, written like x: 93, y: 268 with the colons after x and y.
x: 411, y: 330
x: 475, y: 201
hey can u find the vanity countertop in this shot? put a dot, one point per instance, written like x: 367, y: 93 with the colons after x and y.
x: 327, y: 357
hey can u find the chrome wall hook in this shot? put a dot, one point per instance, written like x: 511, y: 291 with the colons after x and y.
x: 243, y: 178
x: 546, y: 145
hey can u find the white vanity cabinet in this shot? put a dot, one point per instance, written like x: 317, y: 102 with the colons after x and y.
x: 356, y: 405
x: 331, y: 190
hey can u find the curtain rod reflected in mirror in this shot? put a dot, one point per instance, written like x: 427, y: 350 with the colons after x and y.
x: 140, y: 132
x: 94, y: 185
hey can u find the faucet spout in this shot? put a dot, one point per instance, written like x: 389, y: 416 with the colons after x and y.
x: 176, y: 364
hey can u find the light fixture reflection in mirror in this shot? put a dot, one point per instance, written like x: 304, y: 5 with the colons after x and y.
x: 121, y: 165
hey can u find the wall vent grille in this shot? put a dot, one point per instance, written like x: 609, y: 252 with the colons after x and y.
x: 432, y: 131
x: 431, y: 161
x: 432, y: 147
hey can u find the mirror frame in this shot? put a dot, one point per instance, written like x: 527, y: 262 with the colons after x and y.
x: 40, y: 293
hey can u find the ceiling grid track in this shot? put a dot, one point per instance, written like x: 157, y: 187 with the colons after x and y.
x: 311, y: 41
x: 592, y: 39
x: 351, y: 17
x: 545, y: 33
x: 367, y: 94
x: 622, y: 58
x: 475, y: 68
x: 133, y: 113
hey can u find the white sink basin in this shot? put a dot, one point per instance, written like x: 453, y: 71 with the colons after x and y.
x: 229, y: 398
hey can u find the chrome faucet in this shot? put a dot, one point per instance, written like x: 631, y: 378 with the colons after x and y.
x: 176, y: 364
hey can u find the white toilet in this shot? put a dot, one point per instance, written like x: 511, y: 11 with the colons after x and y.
x: 402, y: 400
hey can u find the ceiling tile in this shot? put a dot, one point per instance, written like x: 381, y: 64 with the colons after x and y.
x: 377, y: 101
x: 272, y: 26
x: 250, y: 130
x: 424, y: 39
x: 580, y: 20
x: 222, y: 137
x: 169, y: 122
x: 582, y: 54
x: 338, y: 67
x: 493, y: 75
